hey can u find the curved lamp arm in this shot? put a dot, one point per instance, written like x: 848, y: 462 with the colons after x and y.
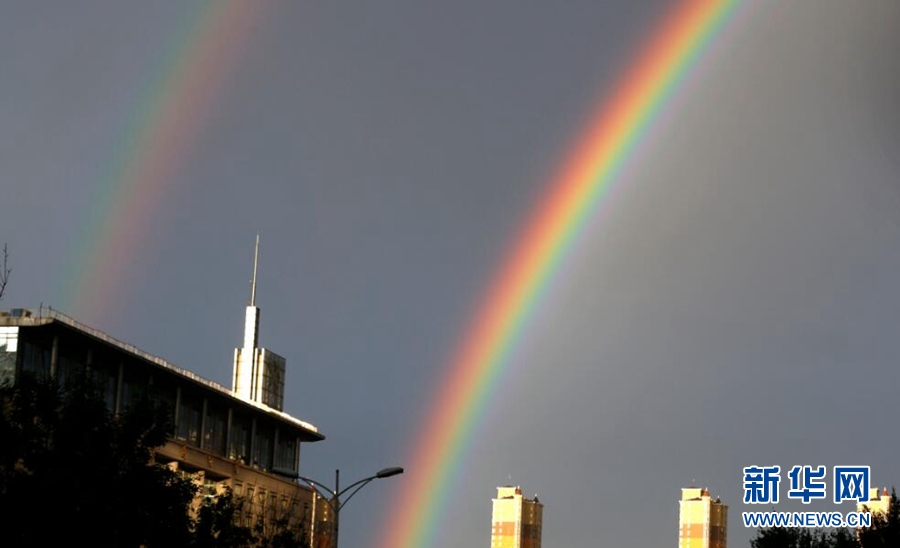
x: 359, y: 485
x: 316, y: 485
x: 334, y: 498
x: 383, y: 473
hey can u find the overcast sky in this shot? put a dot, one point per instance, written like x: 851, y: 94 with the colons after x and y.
x: 734, y: 303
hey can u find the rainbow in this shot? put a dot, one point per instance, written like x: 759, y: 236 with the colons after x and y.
x: 168, y: 119
x: 601, y: 154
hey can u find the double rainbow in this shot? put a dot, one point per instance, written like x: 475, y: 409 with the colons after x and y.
x: 176, y: 105
x: 612, y: 136
x: 168, y: 118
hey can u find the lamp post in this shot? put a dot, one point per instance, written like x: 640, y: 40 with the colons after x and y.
x: 334, y: 497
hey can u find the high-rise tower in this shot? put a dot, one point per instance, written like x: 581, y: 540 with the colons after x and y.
x: 702, y: 521
x: 879, y: 502
x: 516, y: 521
x: 258, y: 372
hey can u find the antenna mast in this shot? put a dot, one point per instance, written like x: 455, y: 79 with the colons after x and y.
x: 255, y: 262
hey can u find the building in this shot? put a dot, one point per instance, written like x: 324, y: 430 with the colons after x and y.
x: 258, y: 372
x: 516, y: 521
x: 702, y: 521
x: 237, y: 438
x: 878, y: 503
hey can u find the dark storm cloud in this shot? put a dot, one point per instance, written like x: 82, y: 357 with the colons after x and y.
x: 734, y: 305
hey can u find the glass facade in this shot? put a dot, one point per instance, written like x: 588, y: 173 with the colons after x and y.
x: 71, y: 360
x: 263, y: 444
x: 241, y: 429
x: 187, y: 426
x: 35, y: 359
x: 200, y: 417
x: 273, y: 379
x: 214, y: 426
x: 106, y: 379
x: 286, y: 453
x: 164, y: 392
x: 134, y: 385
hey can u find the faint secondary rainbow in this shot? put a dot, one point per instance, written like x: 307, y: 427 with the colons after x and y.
x: 167, y: 120
x: 600, y: 155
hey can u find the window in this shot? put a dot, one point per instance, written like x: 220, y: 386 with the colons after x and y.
x: 107, y: 382
x: 273, y: 379
x: 261, y: 499
x: 188, y: 428
x: 248, y: 507
x: 286, y: 452
x: 210, y: 488
x: 134, y: 386
x: 70, y: 361
x: 36, y: 359
x: 164, y: 393
x: 273, y: 506
x: 9, y: 344
x: 214, y: 429
x: 241, y: 427
x: 105, y: 374
x: 262, y: 449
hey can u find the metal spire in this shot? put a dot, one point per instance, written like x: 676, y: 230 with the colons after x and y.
x: 255, y: 263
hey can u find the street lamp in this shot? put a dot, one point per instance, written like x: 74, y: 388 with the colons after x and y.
x: 334, y: 497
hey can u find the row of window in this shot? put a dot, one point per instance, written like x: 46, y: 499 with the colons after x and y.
x: 198, y: 420
x: 256, y: 504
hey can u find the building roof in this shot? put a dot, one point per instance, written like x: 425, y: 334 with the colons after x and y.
x: 45, y: 316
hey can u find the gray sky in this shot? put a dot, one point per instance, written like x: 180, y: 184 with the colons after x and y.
x: 733, y: 304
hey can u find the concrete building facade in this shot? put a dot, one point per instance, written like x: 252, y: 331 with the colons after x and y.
x: 222, y: 438
x: 702, y: 520
x: 516, y: 521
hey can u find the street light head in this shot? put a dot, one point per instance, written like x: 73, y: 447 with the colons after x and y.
x: 388, y: 472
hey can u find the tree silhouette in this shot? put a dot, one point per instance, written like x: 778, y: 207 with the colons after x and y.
x: 885, y: 529
x: 217, y: 526
x: 4, y: 272
x: 884, y: 533
x: 71, y: 472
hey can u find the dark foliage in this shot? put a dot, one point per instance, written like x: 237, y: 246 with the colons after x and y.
x: 885, y: 529
x: 217, y: 526
x: 72, y: 473
x: 884, y: 533
x: 283, y: 536
x: 4, y: 272
x: 783, y: 537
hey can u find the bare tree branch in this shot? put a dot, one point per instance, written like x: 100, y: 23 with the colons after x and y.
x: 4, y: 272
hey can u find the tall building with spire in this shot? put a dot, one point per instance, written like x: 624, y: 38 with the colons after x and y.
x: 234, y: 438
x: 258, y: 372
x: 702, y: 520
x: 516, y: 521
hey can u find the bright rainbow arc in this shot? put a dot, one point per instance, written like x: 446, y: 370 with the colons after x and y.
x: 612, y: 137
x: 167, y: 121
